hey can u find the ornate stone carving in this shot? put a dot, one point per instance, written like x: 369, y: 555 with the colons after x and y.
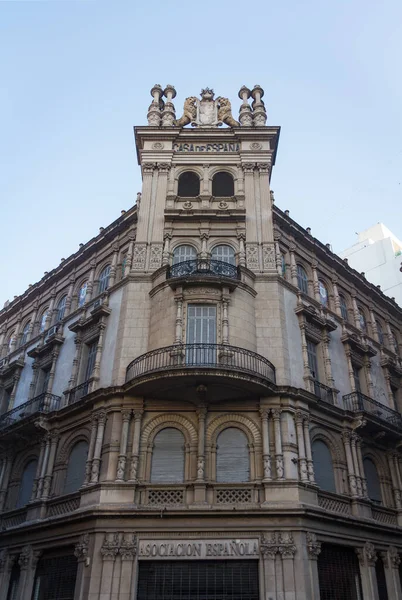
x: 121, y: 467
x: 255, y: 146
x: 264, y: 168
x: 367, y: 555
x: 287, y: 547
x: 393, y: 557
x: 252, y: 256
x: 267, y: 467
x: 28, y: 557
x: 200, y: 467
x: 128, y: 547
x: 3, y: 558
x: 82, y: 547
x: 225, y: 112
x: 245, y: 116
x: 313, y: 546
x: 279, y: 466
x: 155, y: 259
x: 248, y: 167
x: 139, y: 256
x: 110, y: 546
x: 269, y: 546
x: 189, y: 112
x: 158, y: 146
x: 268, y: 256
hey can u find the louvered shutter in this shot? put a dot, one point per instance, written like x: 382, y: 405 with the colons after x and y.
x: 76, y: 467
x: 26, y: 485
x: 373, y: 482
x: 168, y: 457
x: 323, y: 467
x: 232, y: 457
x: 201, y: 329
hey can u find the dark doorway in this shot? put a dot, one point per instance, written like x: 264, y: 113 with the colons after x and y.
x: 198, y: 580
x: 338, y: 573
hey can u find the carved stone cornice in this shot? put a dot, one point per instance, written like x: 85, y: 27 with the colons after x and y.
x: 367, y: 555
x: 314, y: 317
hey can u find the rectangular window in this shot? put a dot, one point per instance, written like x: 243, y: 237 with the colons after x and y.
x: 90, y: 360
x: 312, y: 358
x: 201, y: 331
x: 356, y: 377
x: 45, y: 380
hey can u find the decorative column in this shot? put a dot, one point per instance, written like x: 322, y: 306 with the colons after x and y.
x: 316, y: 285
x: 166, y: 248
x: 398, y: 471
x: 154, y: 110
x: 266, y: 456
x: 55, y: 355
x: 276, y: 415
x: 8, y: 461
x: 98, y: 447
x: 313, y: 551
x: 201, y: 413
x: 356, y: 464
x: 293, y: 265
x: 225, y: 320
x: 391, y: 563
x: 143, y: 221
x: 361, y: 466
x: 113, y: 266
x: 81, y: 551
x: 69, y: 298
x: 374, y: 323
x: 299, y: 417
x: 179, y: 320
x: 6, y: 564
x: 109, y: 551
x: 264, y: 170
x: 16, y: 379
x: 278, y: 254
x: 309, y: 454
x: 130, y: 251
x: 128, y: 552
x: 90, y: 284
x: 121, y: 464
x: 337, y: 300
x: 394, y: 478
x: 88, y: 466
x: 205, y: 181
x: 47, y: 483
x: 269, y: 549
x: 98, y: 356
x: 34, y: 380
x: 355, y: 311
x: 76, y: 361
x: 135, y: 450
x: 346, y: 435
x: 306, y: 367
x: 259, y: 113
x: 43, y: 467
x: 49, y: 315
x: 242, y: 251
x: 367, y: 558
x: 287, y: 550
x: 27, y: 561
x: 204, y: 236
x: 245, y: 116
x: 327, y: 358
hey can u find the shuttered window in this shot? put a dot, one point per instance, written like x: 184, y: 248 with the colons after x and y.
x: 104, y: 280
x: 55, y: 578
x: 302, y: 279
x: 344, y: 307
x: 76, y: 467
x: 26, y: 485
x: 323, y: 467
x: 183, y: 253
x: 91, y: 360
x: 312, y: 358
x: 201, y: 329
x: 232, y: 456
x: 224, y: 253
x: 373, y: 481
x: 168, y: 457
x: 339, y: 573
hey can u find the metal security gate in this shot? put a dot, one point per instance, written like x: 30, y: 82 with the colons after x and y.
x: 339, y: 574
x: 198, y: 580
x: 55, y: 578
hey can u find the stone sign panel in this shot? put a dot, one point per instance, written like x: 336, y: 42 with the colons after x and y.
x: 199, y: 549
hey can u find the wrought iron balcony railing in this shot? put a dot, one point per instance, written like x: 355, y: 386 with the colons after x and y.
x: 203, y: 268
x: 79, y: 391
x: 44, y: 403
x: 358, y: 402
x: 323, y: 392
x: 204, y: 356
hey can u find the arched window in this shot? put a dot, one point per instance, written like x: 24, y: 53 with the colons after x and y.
x: 323, y: 467
x: 43, y: 321
x: 26, y: 485
x: 104, y: 276
x: 222, y: 184
x: 395, y: 342
x: 25, y: 333
x: 362, y: 321
x: 224, y: 254
x: 183, y: 253
x: 10, y: 342
x: 82, y: 294
x: 380, y: 332
x: 323, y: 293
x: 168, y: 457
x: 232, y: 456
x: 344, y: 307
x: 302, y: 280
x: 189, y: 185
x: 76, y: 467
x: 61, y: 309
x: 373, y: 481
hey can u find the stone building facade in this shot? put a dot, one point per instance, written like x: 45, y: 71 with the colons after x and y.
x: 203, y: 401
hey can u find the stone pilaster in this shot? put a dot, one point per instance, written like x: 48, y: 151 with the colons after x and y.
x: 81, y: 552
x: 280, y: 472
x: 121, y: 464
x: 391, y: 561
x: 88, y: 465
x: 135, y: 450
x: 27, y: 561
x: 367, y: 558
x: 98, y: 447
x: 303, y: 474
x: 346, y: 435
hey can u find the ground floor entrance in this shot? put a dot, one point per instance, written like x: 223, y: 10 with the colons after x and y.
x: 198, y: 580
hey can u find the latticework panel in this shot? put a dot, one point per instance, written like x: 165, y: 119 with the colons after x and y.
x: 233, y: 495
x: 60, y: 508
x: 384, y: 517
x: 334, y: 505
x: 164, y: 497
x: 13, y: 521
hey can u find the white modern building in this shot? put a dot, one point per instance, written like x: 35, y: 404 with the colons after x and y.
x: 378, y: 254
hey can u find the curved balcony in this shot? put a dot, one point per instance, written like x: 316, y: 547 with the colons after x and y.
x: 177, y: 372
x: 203, y: 268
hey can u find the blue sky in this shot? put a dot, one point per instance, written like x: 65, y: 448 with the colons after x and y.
x: 75, y: 78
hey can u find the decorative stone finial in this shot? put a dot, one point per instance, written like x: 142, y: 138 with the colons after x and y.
x: 259, y: 112
x: 245, y: 116
x: 168, y: 114
x: 154, y: 111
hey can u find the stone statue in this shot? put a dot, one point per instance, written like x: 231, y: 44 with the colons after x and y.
x: 189, y: 112
x: 225, y: 112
